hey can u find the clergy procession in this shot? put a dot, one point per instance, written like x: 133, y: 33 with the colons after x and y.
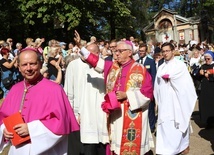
x: 118, y: 97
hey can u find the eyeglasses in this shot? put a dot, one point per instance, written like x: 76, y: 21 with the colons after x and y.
x: 206, y: 58
x: 121, y: 50
x: 112, y: 46
x: 166, y: 51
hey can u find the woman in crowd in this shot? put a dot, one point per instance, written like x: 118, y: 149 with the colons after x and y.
x: 206, y: 99
x: 105, y: 50
x: 54, y: 60
x: 7, y: 69
x: 195, y: 58
x: 38, y: 44
x: 58, y: 79
x: 195, y: 64
x: 51, y: 43
x: 70, y: 48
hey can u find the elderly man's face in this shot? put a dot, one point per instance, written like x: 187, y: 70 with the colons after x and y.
x: 123, y: 54
x: 29, y: 66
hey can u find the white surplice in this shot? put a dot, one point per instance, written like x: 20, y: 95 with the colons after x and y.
x: 176, y: 100
x: 43, y: 142
x: 85, y: 89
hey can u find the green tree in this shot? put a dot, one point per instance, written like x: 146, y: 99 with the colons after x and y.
x: 11, y: 20
x: 105, y: 18
x: 209, y: 5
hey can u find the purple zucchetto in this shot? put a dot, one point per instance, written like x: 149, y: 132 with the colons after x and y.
x: 129, y: 42
x: 29, y: 49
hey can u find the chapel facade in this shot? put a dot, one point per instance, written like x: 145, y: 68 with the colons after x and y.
x: 168, y: 25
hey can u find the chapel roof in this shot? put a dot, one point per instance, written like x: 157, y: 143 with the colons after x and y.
x: 180, y: 20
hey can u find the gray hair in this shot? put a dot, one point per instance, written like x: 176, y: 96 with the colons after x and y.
x: 18, y: 44
x: 127, y: 43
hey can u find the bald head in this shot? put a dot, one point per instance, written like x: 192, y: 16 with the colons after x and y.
x: 39, y: 56
x: 93, y: 48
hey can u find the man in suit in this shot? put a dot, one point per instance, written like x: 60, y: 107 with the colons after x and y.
x: 150, y: 65
x: 112, y: 47
x: 160, y: 62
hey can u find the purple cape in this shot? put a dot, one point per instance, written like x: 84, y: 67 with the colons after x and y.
x: 46, y: 101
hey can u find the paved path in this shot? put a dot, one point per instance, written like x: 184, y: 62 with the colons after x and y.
x: 201, y: 140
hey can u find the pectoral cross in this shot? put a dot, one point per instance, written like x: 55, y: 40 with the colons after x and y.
x: 118, y: 86
x: 23, y: 97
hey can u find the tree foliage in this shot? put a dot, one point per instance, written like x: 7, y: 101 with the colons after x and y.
x: 209, y: 5
x: 106, y: 19
x: 90, y: 15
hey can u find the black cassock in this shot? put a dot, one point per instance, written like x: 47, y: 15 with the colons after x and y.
x: 206, y: 98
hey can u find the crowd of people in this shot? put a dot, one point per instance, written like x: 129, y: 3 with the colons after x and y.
x: 104, y: 97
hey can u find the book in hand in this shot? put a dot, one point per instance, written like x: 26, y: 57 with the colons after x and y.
x: 9, y: 123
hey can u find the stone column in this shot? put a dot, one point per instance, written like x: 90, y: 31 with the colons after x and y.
x: 174, y: 29
x: 196, y: 33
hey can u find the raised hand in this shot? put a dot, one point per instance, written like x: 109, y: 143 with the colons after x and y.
x: 77, y: 39
x: 57, y: 66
